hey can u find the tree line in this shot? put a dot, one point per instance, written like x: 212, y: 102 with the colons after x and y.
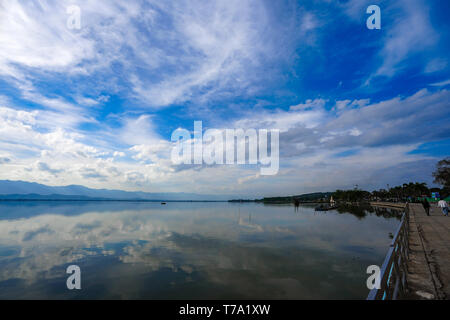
x: 408, y: 191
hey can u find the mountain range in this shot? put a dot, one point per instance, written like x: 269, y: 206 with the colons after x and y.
x: 21, y: 190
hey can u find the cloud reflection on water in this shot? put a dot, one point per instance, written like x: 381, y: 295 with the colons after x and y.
x: 204, y: 250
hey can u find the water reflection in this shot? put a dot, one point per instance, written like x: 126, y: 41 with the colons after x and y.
x: 188, y: 250
x: 362, y: 211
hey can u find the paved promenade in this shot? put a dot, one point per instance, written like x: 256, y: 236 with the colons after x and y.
x: 429, y: 263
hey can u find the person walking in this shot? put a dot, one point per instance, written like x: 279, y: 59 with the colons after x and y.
x: 444, y: 206
x: 426, y: 206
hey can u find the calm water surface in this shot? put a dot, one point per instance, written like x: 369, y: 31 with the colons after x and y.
x: 189, y: 250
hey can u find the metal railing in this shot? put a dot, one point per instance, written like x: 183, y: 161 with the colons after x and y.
x: 393, y: 282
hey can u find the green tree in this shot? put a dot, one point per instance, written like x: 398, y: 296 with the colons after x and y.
x: 442, y: 174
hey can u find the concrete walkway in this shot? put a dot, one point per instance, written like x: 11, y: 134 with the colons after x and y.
x: 429, y: 263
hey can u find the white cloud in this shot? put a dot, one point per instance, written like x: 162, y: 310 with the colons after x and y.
x: 309, y: 104
x: 168, y: 52
x: 412, y: 33
x: 345, y: 104
x: 219, y: 44
x: 34, y: 35
x: 309, y: 140
x: 282, y: 120
x: 436, y: 65
x: 441, y: 84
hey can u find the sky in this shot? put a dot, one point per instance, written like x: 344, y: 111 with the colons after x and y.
x: 96, y: 106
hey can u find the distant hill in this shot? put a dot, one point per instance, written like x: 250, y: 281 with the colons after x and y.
x: 309, y: 197
x: 314, y: 196
x: 35, y: 191
x: 33, y: 196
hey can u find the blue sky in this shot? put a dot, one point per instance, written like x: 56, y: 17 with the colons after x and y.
x: 97, y: 106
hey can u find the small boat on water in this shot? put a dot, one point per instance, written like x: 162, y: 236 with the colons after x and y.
x: 325, y: 207
x: 163, y: 203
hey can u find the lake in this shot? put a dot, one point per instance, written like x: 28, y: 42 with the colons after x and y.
x: 143, y: 250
